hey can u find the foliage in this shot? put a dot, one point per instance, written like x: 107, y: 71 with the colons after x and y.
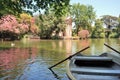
x: 25, y: 18
x: 118, y: 27
x: 12, y: 29
x: 10, y: 7
x: 30, y: 21
x: 83, y: 16
x: 110, y: 22
x: 83, y: 34
x: 98, y: 30
x: 50, y: 24
x: 102, y: 35
x: 16, y: 7
x: 73, y: 32
x: 114, y: 35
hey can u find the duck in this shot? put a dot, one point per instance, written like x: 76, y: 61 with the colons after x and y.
x: 12, y: 44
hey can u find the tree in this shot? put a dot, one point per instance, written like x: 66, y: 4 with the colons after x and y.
x: 118, y: 26
x: 110, y: 22
x: 98, y: 30
x: 82, y: 15
x: 16, y: 7
x: 12, y: 29
x: 10, y: 7
x: 30, y: 21
x: 49, y: 24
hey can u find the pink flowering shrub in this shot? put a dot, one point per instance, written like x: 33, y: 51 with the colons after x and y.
x: 10, y: 24
x: 9, y: 27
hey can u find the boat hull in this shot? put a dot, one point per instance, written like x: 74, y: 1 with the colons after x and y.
x: 101, y: 67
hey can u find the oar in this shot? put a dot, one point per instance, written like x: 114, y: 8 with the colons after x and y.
x: 55, y: 75
x: 68, y: 57
x: 111, y: 48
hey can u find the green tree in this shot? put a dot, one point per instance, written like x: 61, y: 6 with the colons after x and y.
x: 98, y: 30
x: 49, y: 24
x: 118, y: 27
x: 30, y: 21
x: 10, y: 7
x: 110, y: 22
x: 83, y: 16
x: 16, y: 7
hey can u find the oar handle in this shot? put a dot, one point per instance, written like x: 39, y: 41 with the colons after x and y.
x: 111, y: 48
x: 69, y: 57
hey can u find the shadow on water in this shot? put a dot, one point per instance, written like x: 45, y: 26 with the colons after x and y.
x: 30, y: 60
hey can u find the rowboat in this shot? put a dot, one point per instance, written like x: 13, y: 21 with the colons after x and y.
x: 102, y: 67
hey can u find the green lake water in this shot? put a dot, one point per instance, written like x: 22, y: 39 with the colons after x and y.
x: 30, y: 59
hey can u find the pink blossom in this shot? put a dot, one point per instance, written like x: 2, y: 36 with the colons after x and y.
x: 9, y: 23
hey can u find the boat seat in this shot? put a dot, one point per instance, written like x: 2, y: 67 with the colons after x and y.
x: 93, y: 58
x: 96, y: 72
x: 93, y: 61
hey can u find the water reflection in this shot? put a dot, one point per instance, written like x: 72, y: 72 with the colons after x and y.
x: 97, y: 46
x: 30, y: 61
x: 68, y: 46
x: 12, y: 61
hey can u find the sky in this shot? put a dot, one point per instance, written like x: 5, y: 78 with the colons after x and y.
x: 102, y: 7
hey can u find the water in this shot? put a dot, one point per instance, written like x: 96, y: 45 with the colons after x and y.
x: 30, y: 60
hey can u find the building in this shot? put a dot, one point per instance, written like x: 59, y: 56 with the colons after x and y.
x: 68, y: 29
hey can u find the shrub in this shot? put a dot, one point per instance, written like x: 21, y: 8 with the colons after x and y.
x: 114, y: 35
x: 102, y: 35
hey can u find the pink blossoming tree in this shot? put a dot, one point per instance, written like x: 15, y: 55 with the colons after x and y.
x: 12, y: 29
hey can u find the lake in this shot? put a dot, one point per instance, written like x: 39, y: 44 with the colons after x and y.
x: 30, y: 59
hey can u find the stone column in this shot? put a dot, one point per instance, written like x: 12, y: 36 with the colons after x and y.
x: 68, y: 30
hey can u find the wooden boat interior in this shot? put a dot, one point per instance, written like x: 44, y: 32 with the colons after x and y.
x: 101, y: 67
